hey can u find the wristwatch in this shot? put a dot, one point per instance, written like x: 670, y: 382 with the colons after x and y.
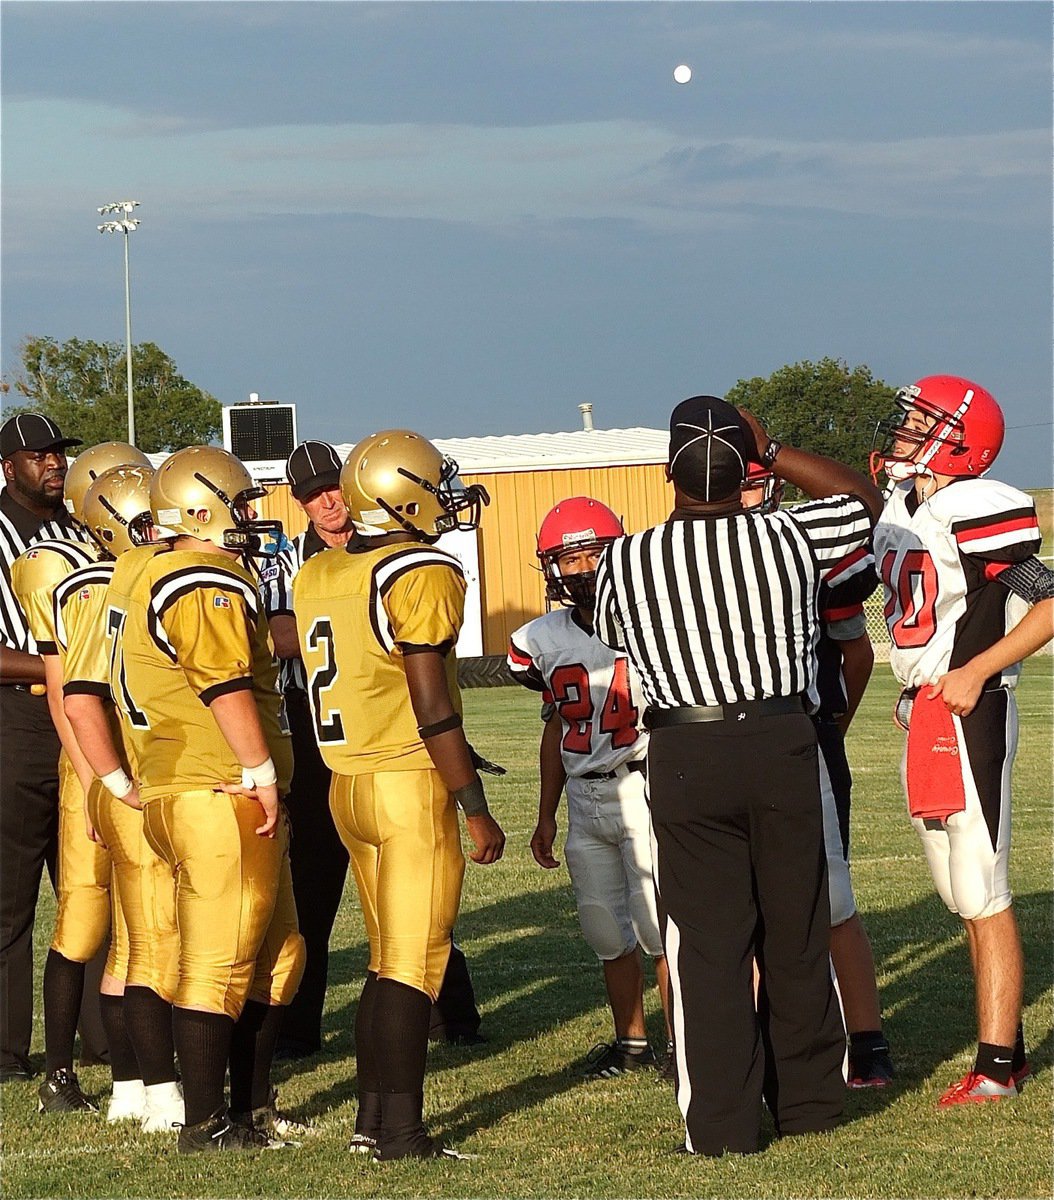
x: 771, y: 450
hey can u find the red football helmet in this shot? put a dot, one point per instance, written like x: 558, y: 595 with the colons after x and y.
x: 576, y: 524
x: 761, y: 477
x: 963, y: 438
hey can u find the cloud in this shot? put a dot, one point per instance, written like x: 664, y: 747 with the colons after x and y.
x: 511, y: 178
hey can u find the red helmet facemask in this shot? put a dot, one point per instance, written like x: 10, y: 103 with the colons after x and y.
x: 963, y: 436
x: 772, y: 493
x: 576, y: 524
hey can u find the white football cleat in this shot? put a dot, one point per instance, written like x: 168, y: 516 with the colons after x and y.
x: 127, y: 1101
x: 163, y: 1110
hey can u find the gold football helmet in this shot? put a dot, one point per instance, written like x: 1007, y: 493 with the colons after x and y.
x: 397, y: 481
x: 116, y: 509
x: 93, y: 462
x: 205, y: 492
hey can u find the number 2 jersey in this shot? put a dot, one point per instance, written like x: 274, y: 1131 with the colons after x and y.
x: 940, y: 562
x: 594, y: 689
x: 188, y: 627
x: 359, y: 612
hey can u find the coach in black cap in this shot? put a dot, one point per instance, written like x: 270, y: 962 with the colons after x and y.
x: 716, y: 609
x: 33, y: 452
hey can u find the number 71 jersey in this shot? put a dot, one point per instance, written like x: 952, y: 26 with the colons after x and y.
x: 940, y: 563
x: 594, y: 689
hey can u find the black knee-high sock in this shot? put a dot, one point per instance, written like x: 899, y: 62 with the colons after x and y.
x: 252, y: 1049
x: 400, y: 1036
x: 368, y: 1115
x: 400, y: 1042
x: 123, y: 1062
x: 203, y: 1043
x: 63, y: 988
x: 148, y: 1020
x: 365, y: 1055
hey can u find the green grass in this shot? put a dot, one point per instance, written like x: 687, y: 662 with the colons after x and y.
x: 541, y: 1131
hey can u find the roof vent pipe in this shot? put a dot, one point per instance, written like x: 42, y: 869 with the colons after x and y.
x: 587, y: 416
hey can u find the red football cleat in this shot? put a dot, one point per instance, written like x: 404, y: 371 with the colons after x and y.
x: 976, y: 1089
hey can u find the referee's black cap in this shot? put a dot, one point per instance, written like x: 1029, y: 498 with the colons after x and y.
x: 311, y: 467
x: 708, y: 456
x: 32, y: 431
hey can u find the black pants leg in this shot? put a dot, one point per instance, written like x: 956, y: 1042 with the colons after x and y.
x: 741, y: 870
x: 319, y: 866
x: 29, y: 816
x: 454, y: 1014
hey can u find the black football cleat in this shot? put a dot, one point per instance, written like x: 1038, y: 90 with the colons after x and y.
x: 218, y: 1133
x: 61, y: 1092
x: 608, y: 1059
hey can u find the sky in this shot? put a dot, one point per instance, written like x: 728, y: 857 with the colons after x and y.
x: 470, y: 218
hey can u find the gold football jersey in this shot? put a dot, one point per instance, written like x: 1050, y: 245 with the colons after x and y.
x: 190, y: 627
x: 36, y: 573
x: 85, y: 643
x: 357, y: 614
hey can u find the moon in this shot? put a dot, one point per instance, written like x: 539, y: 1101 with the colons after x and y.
x: 682, y: 74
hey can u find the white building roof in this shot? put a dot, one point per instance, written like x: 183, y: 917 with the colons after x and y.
x: 543, y: 451
x: 553, y: 451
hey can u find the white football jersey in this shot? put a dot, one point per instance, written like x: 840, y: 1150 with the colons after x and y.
x: 595, y: 690
x: 940, y: 564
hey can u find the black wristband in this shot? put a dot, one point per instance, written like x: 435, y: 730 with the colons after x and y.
x: 771, y: 450
x: 471, y: 799
x: 438, y: 727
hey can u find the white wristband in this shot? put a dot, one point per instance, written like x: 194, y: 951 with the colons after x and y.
x: 117, y: 783
x: 263, y: 775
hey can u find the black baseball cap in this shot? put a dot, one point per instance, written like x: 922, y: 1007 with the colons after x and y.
x: 311, y: 466
x: 32, y: 431
x: 708, y: 457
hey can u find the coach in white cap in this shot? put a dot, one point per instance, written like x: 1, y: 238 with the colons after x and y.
x: 716, y: 610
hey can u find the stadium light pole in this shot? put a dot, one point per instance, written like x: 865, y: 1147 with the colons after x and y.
x: 124, y: 224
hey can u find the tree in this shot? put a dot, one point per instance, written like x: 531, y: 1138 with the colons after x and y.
x: 824, y: 407
x: 83, y: 387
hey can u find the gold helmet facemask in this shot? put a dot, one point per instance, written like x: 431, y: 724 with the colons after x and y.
x: 205, y: 492
x: 397, y: 481
x: 117, y: 509
x: 90, y: 464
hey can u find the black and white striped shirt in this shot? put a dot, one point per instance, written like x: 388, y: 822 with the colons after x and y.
x: 20, y: 529
x: 721, y: 609
x: 276, y: 591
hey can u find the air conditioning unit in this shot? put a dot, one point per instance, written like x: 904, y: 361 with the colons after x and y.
x: 262, y: 434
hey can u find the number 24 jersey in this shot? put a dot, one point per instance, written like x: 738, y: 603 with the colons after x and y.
x: 594, y: 689
x: 940, y: 563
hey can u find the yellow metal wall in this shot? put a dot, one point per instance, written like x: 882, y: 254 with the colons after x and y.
x: 512, y: 586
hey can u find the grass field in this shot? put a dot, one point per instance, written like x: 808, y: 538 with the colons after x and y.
x: 540, y: 1130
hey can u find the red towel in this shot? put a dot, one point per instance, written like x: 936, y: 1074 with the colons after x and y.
x: 935, y: 781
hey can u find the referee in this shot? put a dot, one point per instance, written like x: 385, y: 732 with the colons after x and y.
x: 717, y: 610
x: 318, y: 858
x: 33, y: 452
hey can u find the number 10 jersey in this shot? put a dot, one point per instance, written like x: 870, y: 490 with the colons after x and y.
x: 940, y: 562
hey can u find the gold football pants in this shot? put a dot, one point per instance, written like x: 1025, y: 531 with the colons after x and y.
x: 401, y: 831
x: 144, y: 942
x: 235, y: 913
x: 84, y: 870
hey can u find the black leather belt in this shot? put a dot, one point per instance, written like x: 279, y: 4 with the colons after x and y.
x: 660, y: 718
x: 639, y: 765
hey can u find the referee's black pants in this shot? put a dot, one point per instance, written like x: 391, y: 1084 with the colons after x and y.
x: 319, y: 865
x: 742, y: 873
x: 29, y: 824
